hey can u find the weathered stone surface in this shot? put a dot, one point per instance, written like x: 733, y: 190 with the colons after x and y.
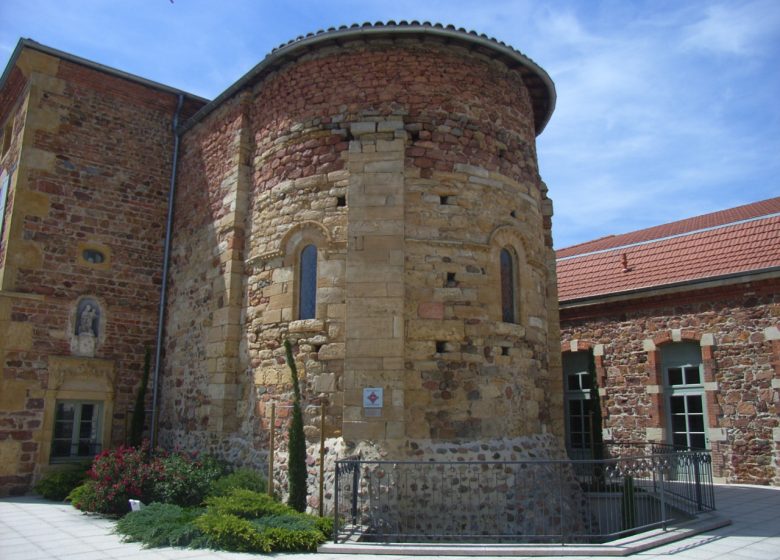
x: 740, y: 364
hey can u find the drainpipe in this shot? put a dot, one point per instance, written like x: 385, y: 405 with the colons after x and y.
x: 166, y: 258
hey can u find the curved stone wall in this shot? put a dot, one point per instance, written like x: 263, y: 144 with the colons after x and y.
x: 409, y: 162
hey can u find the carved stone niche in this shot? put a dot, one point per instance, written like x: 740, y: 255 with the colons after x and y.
x: 87, y: 327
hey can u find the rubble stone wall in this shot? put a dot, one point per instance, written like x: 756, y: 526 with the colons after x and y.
x: 409, y: 165
x: 737, y: 329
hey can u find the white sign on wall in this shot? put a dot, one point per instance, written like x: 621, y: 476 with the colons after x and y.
x: 372, y: 397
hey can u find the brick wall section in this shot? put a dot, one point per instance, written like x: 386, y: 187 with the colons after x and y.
x: 93, y: 171
x: 736, y: 327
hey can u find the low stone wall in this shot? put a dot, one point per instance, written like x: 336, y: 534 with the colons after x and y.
x: 441, y: 489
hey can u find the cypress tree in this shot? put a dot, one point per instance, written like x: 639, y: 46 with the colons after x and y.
x: 139, y: 410
x: 296, y: 442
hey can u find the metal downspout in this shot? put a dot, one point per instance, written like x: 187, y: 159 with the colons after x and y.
x: 166, y: 258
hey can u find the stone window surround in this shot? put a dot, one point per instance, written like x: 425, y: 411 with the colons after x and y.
x: 294, y: 242
x: 508, y: 237
x: 76, y: 379
x: 98, y: 420
x: 576, y: 345
x: 91, y: 246
x: 655, y: 386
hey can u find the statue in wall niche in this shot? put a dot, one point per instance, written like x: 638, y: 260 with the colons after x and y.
x: 87, y: 328
x: 87, y: 321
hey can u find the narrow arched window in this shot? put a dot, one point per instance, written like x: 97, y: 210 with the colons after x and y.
x: 508, y: 296
x: 307, y: 291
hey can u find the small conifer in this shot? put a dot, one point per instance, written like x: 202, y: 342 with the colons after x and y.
x: 296, y: 443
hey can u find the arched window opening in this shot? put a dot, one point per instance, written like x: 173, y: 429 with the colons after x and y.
x: 508, y: 282
x: 307, y: 293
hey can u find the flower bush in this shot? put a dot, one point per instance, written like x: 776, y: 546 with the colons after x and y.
x: 138, y: 473
x: 121, y: 474
x: 235, y: 514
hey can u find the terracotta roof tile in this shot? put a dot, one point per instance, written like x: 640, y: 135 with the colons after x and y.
x: 698, y: 248
x: 731, y: 215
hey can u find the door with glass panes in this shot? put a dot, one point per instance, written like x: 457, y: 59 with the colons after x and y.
x: 684, y: 389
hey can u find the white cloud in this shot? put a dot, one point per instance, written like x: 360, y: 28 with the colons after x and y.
x: 734, y: 28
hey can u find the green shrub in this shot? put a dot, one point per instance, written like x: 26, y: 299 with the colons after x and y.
x: 247, y: 479
x: 247, y: 504
x: 184, y: 480
x: 230, y: 532
x: 84, y: 497
x: 139, y: 410
x: 162, y: 525
x: 291, y: 540
x: 324, y: 525
x: 57, y: 485
x: 297, y: 522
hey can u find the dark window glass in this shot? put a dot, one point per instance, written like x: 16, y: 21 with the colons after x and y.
x: 585, y: 380
x: 675, y: 376
x: 695, y: 404
x: 573, y: 382
x: 75, y: 430
x: 681, y: 440
x: 697, y: 441
x: 678, y: 405
x: 692, y: 376
x: 307, y: 303
x: 696, y: 423
x: 507, y: 287
x: 678, y: 423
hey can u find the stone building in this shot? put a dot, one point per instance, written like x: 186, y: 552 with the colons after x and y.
x: 370, y: 193
x: 84, y: 174
x: 679, y: 324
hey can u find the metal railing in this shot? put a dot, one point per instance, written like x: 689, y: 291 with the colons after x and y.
x: 533, y: 501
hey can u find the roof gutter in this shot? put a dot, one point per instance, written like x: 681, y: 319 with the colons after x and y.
x: 676, y: 287
x: 166, y: 260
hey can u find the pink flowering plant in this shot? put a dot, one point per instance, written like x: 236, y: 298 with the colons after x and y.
x: 125, y: 473
x: 122, y: 474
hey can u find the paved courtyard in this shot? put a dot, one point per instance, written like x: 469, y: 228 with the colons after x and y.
x: 34, y: 529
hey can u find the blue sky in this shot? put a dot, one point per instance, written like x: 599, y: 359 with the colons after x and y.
x: 666, y: 109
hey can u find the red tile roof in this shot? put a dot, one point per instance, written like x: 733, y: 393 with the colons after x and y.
x: 738, y: 240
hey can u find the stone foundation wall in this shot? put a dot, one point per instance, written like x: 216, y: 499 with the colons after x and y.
x: 737, y: 330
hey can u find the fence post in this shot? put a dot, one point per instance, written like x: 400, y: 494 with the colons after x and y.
x: 336, y: 505
x: 697, y: 475
x: 663, y: 493
x: 322, y: 459
x: 271, y: 451
x: 562, y: 514
x: 355, y: 482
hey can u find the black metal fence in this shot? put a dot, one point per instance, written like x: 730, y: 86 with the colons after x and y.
x: 533, y: 501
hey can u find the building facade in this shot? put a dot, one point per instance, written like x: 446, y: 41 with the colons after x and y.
x: 670, y: 335
x: 369, y: 193
x: 84, y: 174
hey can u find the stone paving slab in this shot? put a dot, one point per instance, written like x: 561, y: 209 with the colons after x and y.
x: 34, y: 529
